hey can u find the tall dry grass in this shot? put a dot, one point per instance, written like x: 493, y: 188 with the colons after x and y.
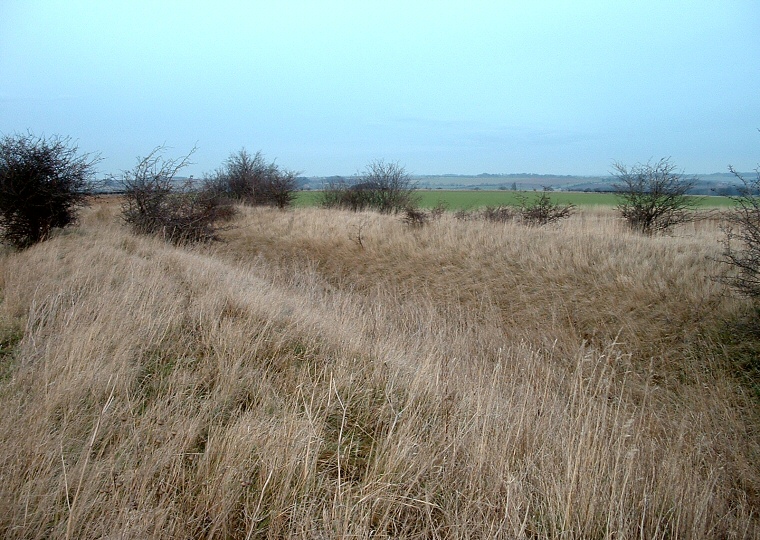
x: 327, y: 375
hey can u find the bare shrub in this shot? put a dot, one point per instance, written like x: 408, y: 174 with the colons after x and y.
x: 463, y: 215
x: 653, y: 196
x: 43, y: 183
x: 383, y: 186
x: 497, y: 214
x: 438, y: 210
x: 332, y: 191
x: 741, y: 245
x: 390, y: 186
x: 155, y: 204
x: 542, y: 210
x: 340, y: 193
x: 414, y: 217
x: 279, y: 188
x: 251, y: 180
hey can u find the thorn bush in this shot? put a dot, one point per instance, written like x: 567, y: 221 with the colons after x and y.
x: 43, y: 184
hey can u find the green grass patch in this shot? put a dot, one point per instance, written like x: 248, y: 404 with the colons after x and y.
x: 471, y: 199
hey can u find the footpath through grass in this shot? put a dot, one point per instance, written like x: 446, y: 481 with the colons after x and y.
x: 470, y: 199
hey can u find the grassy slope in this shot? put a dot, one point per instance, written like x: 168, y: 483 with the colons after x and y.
x: 461, y: 380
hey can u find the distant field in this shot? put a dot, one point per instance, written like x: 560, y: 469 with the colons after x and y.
x: 468, y: 199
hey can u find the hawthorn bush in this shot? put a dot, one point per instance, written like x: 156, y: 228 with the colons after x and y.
x: 653, y: 196
x: 43, y: 184
x: 383, y: 186
x: 251, y: 180
x: 542, y: 210
x: 156, y: 203
x: 741, y: 245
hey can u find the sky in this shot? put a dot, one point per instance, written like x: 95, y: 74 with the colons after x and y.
x: 324, y: 87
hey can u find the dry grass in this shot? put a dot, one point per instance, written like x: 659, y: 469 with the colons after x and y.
x: 326, y: 375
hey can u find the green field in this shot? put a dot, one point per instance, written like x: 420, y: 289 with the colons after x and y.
x: 469, y: 199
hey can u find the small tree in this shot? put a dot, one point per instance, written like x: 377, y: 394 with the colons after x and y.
x: 389, y: 185
x: 155, y: 203
x: 279, y: 187
x: 43, y: 184
x: 542, y: 210
x: 251, y: 180
x: 741, y: 246
x: 382, y: 186
x: 653, y: 196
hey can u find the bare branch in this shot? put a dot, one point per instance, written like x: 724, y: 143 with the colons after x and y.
x: 155, y: 203
x: 43, y: 183
x: 653, y: 196
x: 383, y: 186
x: 741, y: 245
x: 253, y: 181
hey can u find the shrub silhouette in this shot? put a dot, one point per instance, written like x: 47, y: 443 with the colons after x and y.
x: 653, y: 196
x: 43, y: 183
x: 251, y: 180
x: 416, y: 218
x: 383, y: 186
x: 497, y: 214
x: 155, y: 203
x: 741, y: 246
x: 542, y: 210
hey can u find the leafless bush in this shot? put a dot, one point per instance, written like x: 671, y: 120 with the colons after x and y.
x: 390, y: 185
x: 464, y: 215
x: 497, y: 214
x: 280, y: 187
x: 438, y: 210
x: 741, y: 245
x: 653, y: 196
x: 383, y: 186
x: 334, y: 194
x: 43, y: 183
x: 355, y: 196
x: 415, y: 217
x: 542, y: 210
x: 155, y: 204
x: 253, y: 181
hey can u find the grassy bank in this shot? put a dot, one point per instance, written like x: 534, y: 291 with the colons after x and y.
x: 323, y: 374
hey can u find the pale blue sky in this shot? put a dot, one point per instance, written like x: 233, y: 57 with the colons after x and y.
x: 563, y: 87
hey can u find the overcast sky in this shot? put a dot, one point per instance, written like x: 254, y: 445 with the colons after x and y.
x: 562, y: 87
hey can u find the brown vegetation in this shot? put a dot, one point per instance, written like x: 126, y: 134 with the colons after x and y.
x: 154, y: 204
x: 466, y: 379
x: 741, y: 246
x: 383, y: 186
x: 251, y: 180
x: 653, y: 196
